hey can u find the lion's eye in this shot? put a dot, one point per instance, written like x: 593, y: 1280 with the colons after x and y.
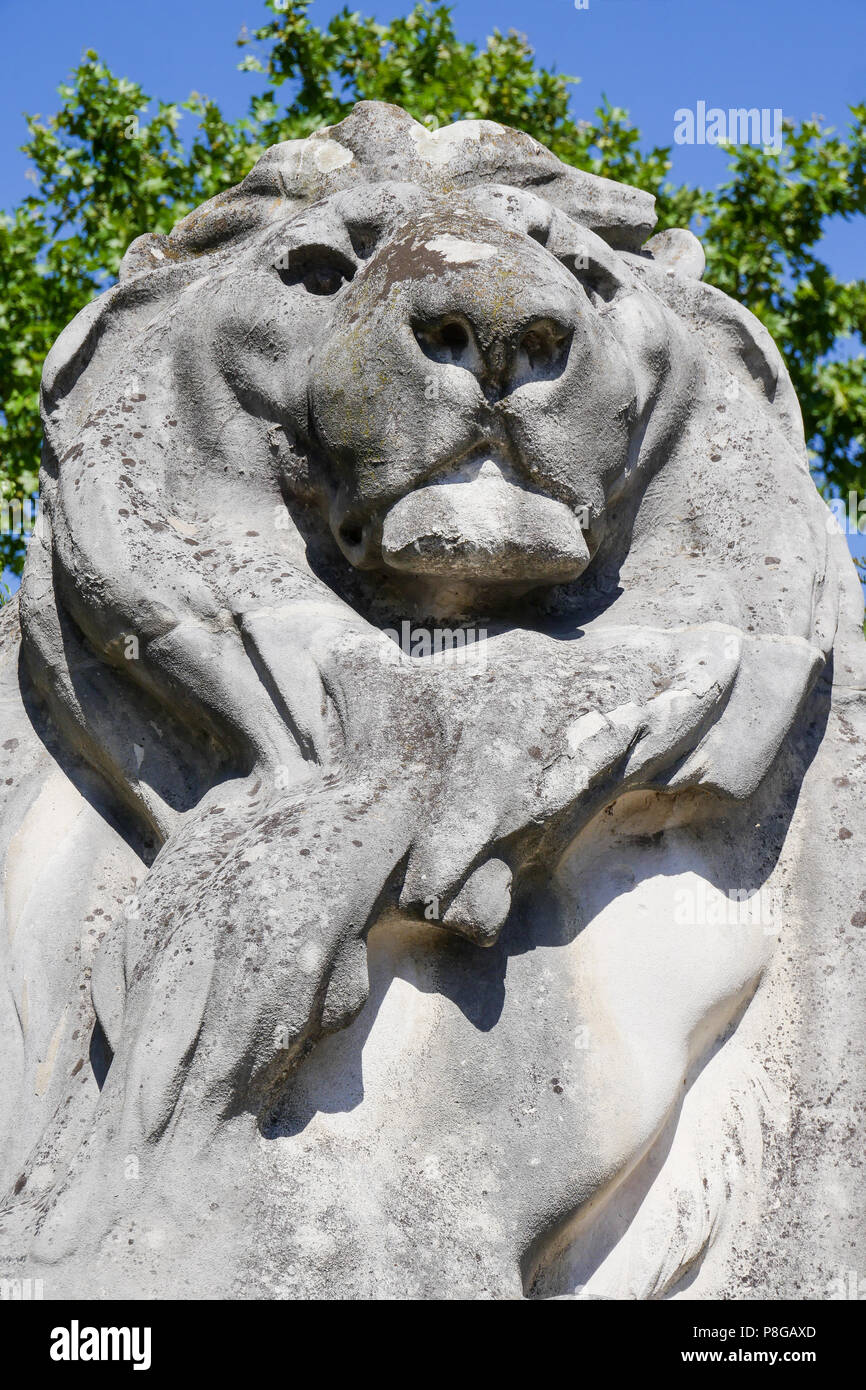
x: 319, y: 269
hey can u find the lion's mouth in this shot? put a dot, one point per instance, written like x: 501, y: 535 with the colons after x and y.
x: 477, y: 524
x: 485, y: 528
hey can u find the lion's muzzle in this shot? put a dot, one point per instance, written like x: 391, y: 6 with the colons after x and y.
x: 484, y: 527
x: 469, y: 401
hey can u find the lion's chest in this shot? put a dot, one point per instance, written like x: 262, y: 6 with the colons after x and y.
x: 484, y: 1097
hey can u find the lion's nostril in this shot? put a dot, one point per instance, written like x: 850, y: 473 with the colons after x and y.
x: 499, y: 358
x: 444, y: 341
x: 544, y: 345
x: 454, y: 337
x: 536, y: 345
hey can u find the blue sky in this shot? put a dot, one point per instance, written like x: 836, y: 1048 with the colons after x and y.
x: 652, y: 56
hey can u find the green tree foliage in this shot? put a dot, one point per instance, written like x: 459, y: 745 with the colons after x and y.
x: 104, y: 171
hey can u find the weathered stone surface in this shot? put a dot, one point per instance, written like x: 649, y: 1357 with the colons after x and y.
x: 432, y: 760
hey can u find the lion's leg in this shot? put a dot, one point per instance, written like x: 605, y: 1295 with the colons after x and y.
x: 249, y: 946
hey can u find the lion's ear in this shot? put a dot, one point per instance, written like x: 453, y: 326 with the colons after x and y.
x: 678, y: 252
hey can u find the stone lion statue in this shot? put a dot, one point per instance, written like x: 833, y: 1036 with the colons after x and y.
x: 433, y: 764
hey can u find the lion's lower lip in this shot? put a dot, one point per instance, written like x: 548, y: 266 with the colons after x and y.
x: 486, y: 528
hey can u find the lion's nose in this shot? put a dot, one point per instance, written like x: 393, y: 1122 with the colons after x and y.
x: 500, y: 358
